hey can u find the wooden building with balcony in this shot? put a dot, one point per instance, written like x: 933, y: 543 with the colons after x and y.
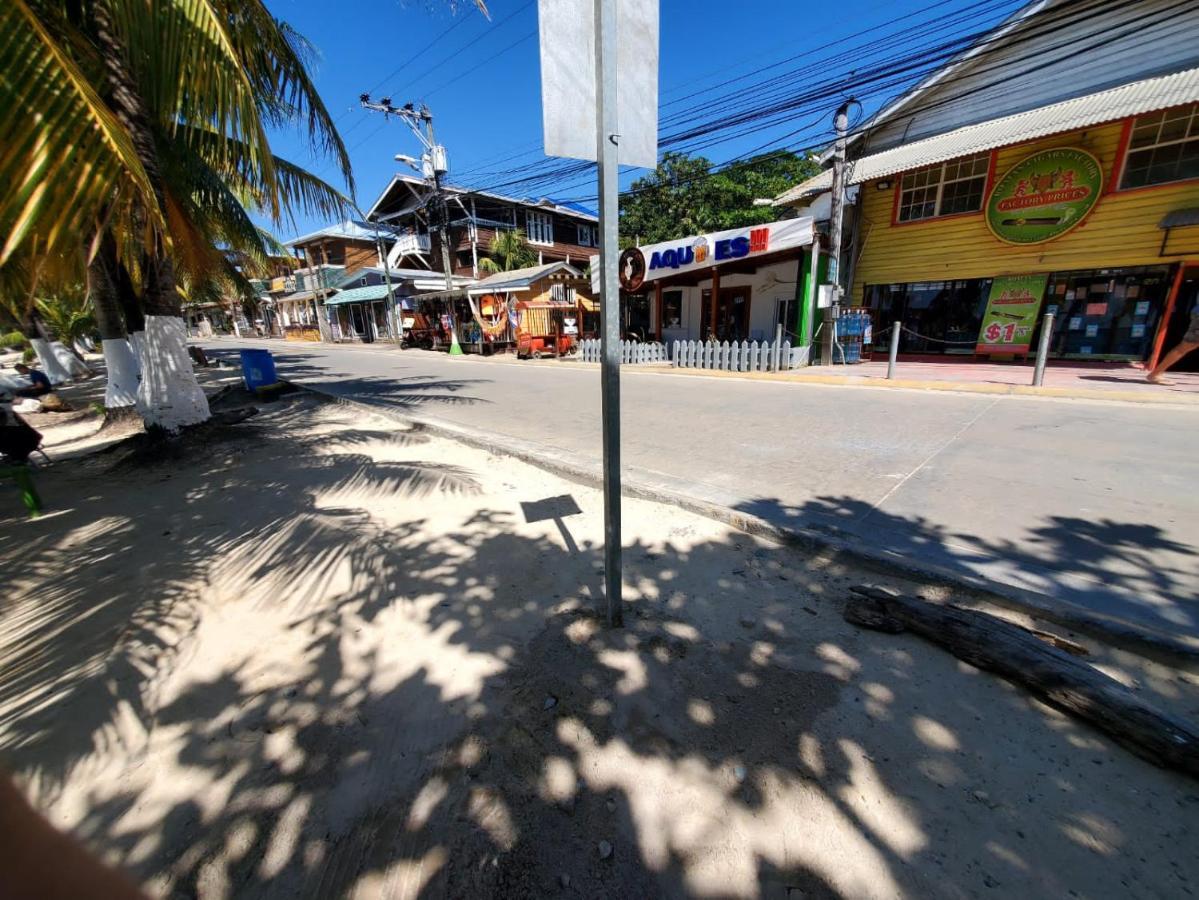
x: 556, y: 232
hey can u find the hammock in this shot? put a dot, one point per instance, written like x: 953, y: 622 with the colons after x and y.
x: 495, y: 327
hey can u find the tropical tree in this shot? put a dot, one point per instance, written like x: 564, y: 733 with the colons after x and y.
x: 509, y: 250
x: 142, y: 140
x: 689, y: 195
x: 69, y: 317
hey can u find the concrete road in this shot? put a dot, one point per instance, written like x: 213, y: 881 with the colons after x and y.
x: 1094, y: 503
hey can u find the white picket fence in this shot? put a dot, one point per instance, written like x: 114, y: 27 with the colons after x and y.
x: 632, y: 353
x: 747, y: 356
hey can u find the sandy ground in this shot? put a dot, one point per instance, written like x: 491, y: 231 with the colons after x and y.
x: 317, y: 655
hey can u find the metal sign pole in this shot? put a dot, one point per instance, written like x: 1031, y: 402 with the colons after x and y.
x: 607, y: 150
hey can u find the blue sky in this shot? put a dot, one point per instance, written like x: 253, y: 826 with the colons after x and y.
x: 490, y: 118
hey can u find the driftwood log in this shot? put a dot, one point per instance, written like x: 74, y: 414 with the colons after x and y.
x: 1061, y: 680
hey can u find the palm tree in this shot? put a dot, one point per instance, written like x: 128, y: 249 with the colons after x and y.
x: 509, y: 250
x: 144, y: 121
x: 69, y: 316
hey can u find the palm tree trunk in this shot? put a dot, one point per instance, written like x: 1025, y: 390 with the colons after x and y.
x: 135, y: 319
x: 47, y: 361
x: 121, y: 390
x: 169, y: 396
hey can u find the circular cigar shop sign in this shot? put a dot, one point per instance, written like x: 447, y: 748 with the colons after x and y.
x: 1044, y: 196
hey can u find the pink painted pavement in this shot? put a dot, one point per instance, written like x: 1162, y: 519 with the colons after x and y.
x: 1093, y: 376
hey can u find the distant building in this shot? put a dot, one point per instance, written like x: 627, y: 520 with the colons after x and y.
x: 1057, y: 161
x: 327, y: 257
x: 555, y: 232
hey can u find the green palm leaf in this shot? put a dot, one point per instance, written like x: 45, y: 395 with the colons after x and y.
x: 65, y: 158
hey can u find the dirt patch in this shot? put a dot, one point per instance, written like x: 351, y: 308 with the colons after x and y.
x: 699, y: 701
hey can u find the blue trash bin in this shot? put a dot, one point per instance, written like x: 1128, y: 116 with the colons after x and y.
x: 258, y: 369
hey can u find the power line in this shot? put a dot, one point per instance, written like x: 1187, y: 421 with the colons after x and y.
x: 1132, y: 27
x: 491, y: 30
x: 977, y: 10
x: 486, y: 62
x: 883, y: 79
x: 429, y: 46
x: 540, y: 171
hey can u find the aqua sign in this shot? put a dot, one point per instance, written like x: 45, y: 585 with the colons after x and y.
x: 1044, y: 196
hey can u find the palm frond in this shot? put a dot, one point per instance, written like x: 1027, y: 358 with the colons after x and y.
x: 287, y: 188
x: 189, y: 68
x: 65, y: 158
x: 275, y: 57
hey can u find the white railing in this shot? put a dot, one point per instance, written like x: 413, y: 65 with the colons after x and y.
x: 747, y: 356
x: 632, y: 353
x: 406, y: 244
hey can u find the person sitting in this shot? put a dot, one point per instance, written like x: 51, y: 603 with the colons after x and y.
x: 18, y: 438
x: 41, y: 384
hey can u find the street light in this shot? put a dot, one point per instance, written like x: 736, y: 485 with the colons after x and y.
x: 411, y: 161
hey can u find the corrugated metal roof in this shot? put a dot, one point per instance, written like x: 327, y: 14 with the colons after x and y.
x: 359, y: 295
x: 1082, y: 112
x: 350, y: 229
x: 520, y: 278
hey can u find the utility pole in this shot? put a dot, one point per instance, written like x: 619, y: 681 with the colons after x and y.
x: 841, y: 126
x: 434, y: 164
x: 607, y: 156
x: 381, y: 249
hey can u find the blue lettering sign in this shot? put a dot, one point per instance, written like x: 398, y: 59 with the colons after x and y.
x: 722, y: 250
x: 672, y: 259
x: 740, y: 247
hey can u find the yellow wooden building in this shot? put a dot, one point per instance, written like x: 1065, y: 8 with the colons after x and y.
x: 1092, y: 198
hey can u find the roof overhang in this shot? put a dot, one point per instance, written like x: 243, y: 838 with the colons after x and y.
x: 1131, y: 99
x: 497, y: 289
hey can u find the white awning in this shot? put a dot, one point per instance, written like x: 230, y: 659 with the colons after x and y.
x: 1082, y: 112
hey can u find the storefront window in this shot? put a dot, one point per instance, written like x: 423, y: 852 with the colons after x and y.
x: 672, y: 309
x: 1164, y: 147
x: 1106, y: 313
x: 953, y: 187
x: 945, y: 315
x: 636, y: 314
x: 1100, y: 314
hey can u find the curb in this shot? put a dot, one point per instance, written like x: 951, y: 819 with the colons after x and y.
x: 914, y: 384
x: 1156, y: 398
x: 1114, y: 630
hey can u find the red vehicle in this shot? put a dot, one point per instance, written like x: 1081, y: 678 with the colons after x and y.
x: 546, y: 328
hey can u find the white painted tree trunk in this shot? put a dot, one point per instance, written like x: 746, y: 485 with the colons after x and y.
x: 121, y: 390
x: 69, y: 360
x: 49, y: 362
x: 169, y: 396
x: 137, y: 341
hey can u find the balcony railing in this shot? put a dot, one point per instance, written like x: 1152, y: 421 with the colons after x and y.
x: 411, y: 243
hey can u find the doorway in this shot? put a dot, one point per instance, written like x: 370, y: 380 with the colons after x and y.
x: 358, y: 322
x: 732, y: 313
x: 1186, y: 303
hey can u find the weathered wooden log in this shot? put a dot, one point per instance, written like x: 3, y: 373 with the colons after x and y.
x: 1061, y: 680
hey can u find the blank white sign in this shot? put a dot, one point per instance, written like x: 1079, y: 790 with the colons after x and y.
x: 568, y: 79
